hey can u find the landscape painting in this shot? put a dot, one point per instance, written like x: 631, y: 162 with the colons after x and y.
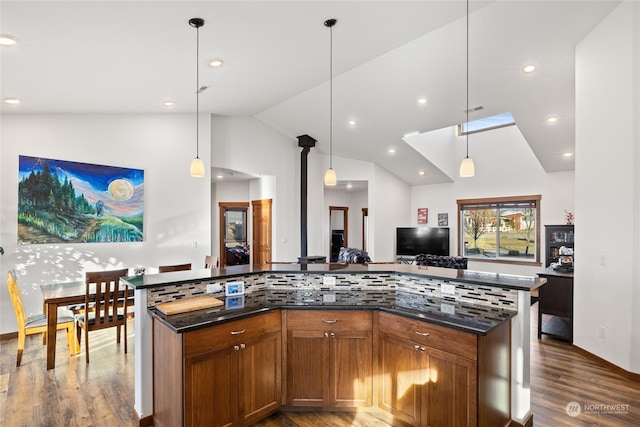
x: 61, y: 201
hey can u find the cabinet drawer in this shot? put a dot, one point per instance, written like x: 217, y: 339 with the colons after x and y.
x: 225, y: 334
x: 434, y: 336
x: 334, y: 320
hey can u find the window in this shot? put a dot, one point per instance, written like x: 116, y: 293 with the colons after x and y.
x: 488, y: 123
x: 502, y: 229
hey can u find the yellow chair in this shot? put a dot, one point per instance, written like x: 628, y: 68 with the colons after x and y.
x: 37, y: 323
x: 177, y: 267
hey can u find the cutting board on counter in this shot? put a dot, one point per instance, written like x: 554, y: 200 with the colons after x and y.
x: 189, y: 304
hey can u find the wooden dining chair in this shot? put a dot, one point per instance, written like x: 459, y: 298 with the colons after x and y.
x: 37, y: 323
x: 176, y: 267
x: 211, y: 262
x: 103, y: 289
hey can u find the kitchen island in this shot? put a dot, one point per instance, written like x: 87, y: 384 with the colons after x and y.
x: 472, y: 307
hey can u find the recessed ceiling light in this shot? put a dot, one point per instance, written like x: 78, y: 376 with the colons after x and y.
x: 352, y: 123
x: 552, y: 119
x: 215, y: 63
x: 391, y: 150
x: 421, y: 173
x: 219, y: 176
x: 169, y: 103
x: 422, y: 100
x: 529, y: 68
x: 7, y: 40
x: 567, y: 154
x: 11, y: 101
x: 349, y: 186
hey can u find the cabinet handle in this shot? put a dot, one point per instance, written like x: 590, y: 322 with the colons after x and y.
x: 329, y: 321
x: 326, y: 334
x: 242, y: 346
x: 422, y: 334
x: 236, y: 347
x: 238, y: 332
x: 422, y: 349
x: 332, y: 335
x: 417, y: 347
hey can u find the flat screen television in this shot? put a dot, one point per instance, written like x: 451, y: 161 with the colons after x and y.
x: 411, y: 241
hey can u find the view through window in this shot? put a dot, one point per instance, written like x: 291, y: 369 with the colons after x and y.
x: 500, y: 229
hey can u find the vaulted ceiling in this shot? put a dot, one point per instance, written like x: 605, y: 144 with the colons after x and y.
x: 131, y: 56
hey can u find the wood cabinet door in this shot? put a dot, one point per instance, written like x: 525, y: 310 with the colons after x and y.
x: 260, y: 365
x: 211, y: 389
x: 450, y: 398
x: 402, y: 378
x: 351, y: 369
x: 307, y: 368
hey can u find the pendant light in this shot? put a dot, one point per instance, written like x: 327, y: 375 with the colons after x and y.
x: 467, y: 169
x: 330, y: 177
x: 197, y: 165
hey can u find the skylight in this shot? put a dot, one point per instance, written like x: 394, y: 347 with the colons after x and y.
x: 487, y: 123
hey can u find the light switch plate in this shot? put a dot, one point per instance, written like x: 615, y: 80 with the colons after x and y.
x: 329, y: 298
x: 448, y: 288
x: 212, y: 288
x: 329, y: 280
x: 448, y: 308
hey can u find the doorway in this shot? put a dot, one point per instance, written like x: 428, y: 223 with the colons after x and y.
x: 234, y: 249
x: 338, y: 230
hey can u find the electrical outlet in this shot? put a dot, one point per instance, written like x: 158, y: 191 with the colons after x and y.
x: 602, y: 332
x: 329, y: 298
x: 448, y: 308
x: 448, y: 288
x: 603, y: 260
x: 213, y: 288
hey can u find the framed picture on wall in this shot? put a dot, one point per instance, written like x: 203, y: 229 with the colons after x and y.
x: 61, y: 201
x: 443, y: 219
x: 423, y: 215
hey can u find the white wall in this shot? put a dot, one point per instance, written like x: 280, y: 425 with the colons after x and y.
x: 607, y: 278
x: 247, y: 145
x: 177, y: 206
x: 514, y: 171
x: 389, y: 207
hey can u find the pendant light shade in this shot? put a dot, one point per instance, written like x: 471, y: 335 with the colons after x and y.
x: 467, y: 169
x: 330, y: 177
x: 197, y: 168
x: 197, y: 165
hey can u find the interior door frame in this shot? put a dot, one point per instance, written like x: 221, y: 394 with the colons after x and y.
x: 345, y: 219
x: 223, y: 207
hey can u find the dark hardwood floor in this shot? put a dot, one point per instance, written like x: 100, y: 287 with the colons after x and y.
x: 101, y: 393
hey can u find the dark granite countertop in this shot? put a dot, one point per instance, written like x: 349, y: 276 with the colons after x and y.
x: 466, y: 317
x: 505, y: 281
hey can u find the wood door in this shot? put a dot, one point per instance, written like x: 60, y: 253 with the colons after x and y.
x: 351, y: 368
x: 402, y: 378
x: 211, y: 389
x: 307, y: 368
x: 260, y: 367
x: 261, y: 247
x: 450, y: 399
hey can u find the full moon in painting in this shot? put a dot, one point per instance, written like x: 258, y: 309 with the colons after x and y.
x: 120, y: 189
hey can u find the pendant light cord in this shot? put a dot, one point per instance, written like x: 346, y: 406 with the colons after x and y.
x: 467, y: 133
x: 331, y: 97
x: 197, y: 92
